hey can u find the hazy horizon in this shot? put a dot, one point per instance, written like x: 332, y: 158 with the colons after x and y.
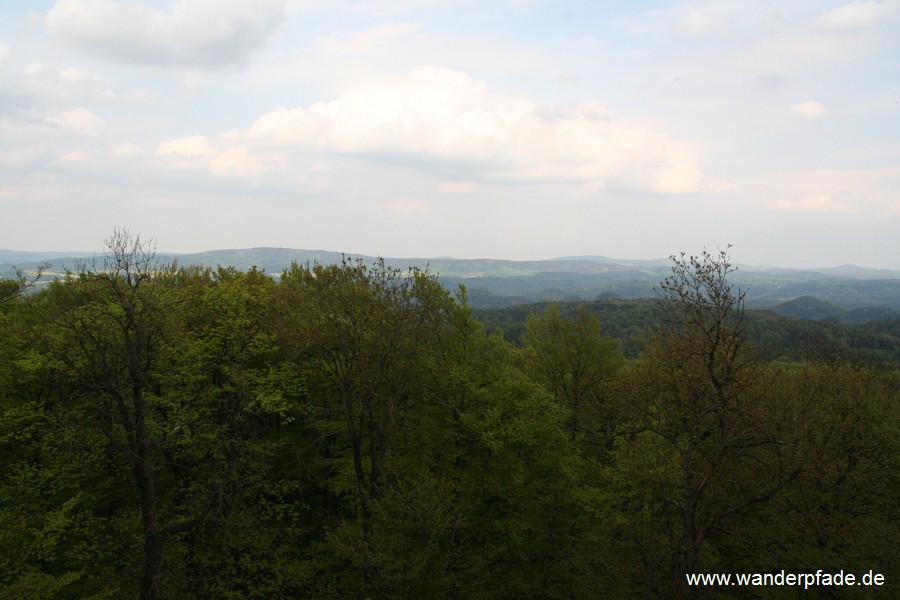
x: 508, y: 129
x: 176, y: 253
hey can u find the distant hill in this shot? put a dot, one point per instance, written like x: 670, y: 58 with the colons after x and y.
x: 807, y: 307
x: 273, y: 260
x: 848, y: 293
x: 656, y: 262
x: 854, y: 272
x: 634, y: 322
x: 810, y: 307
x: 12, y: 256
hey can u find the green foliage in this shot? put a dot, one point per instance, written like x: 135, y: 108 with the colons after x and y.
x: 351, y: 431
x: 875, y: 344
x: 577, y: 364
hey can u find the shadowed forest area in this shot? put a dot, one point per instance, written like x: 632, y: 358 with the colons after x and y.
x: 354, y: 431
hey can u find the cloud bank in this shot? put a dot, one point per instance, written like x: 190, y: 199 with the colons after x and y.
x: 195, y: 33
x: 441, y: 119
x: 857, y: 15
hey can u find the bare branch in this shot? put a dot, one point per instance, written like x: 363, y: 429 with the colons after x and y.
x: 25, y: 280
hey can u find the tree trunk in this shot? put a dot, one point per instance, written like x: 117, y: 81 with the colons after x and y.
x: 142, y: 469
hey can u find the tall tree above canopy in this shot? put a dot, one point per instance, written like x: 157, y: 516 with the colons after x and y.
x: 718, y: 438
x: 703, y: 307
x: 113, y: 323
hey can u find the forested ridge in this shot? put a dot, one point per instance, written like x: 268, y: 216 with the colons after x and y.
x: 633, y: 321
x: 848, y: 294
x: 354, y: 431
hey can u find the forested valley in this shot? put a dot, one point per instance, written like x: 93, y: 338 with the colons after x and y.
x: 354, y: 431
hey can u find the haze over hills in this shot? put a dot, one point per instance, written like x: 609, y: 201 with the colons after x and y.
x: 497, y: 283
x: 24, y: 256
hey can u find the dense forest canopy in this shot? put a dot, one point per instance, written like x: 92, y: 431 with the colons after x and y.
x: 848, y: 294
x: 354, y: 431
x: 632, y: 322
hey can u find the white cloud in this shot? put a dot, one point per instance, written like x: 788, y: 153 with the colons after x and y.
x: 73, y: 75
x: 236, y: 161
x: 163, y: 202
x: 407, y: 208
x: 457, y: 187
x: 75, y: 156
x: 78, y: 120
x: 126, y: 150
x: 195, y: 152
x: 41, y: 85
x: 440, y: 119
x: 796, y: 50
x: 873, y: 191
x: 195, y: 145
x: 4, y: 54
x: 34, y: 69
x: 809, y: 110
x: 365, y: 40
x: 694, y: 19
x: 859, y: 14
x: 198, y: 33
x: 823, y: 203
x: 143, y: 97
x: 698, y: 24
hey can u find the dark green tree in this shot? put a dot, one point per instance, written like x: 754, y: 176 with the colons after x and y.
x: 714, y: 438
x: 110, y: 332
x: 576, y: 363
x: 364, y: 333
x: 225, y: 415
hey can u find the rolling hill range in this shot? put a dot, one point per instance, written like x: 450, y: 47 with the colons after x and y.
x: 850, y: 293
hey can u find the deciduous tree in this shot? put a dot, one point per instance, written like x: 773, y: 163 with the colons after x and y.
x: 576, y: 363
x: 726, y: 444
x: 110, y: 331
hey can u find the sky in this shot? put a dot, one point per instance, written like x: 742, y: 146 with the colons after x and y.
x: 516, y: 129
